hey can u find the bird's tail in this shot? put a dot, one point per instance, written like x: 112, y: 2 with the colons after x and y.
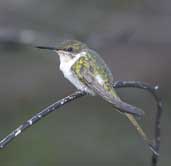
x: 130, y: 111
x: 125, y: 108
x: 141, y: 132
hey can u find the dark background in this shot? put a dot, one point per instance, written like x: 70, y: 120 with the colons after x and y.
x: 134, y: 38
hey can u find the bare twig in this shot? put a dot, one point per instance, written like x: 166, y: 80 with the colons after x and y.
x: 153, y: 91
x: 53, y: 107
x: 77, y: 94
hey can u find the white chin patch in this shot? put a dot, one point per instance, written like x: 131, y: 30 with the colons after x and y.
x: 63, y: 56
x: 62, y: 53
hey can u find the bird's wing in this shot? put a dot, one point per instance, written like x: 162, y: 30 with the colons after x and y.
x: 95, y: 78
x: 86, y: 71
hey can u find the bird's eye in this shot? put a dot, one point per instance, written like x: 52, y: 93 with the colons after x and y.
x: 70, y: 49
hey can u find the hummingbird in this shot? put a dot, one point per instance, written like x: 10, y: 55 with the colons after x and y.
x: 88, y: 72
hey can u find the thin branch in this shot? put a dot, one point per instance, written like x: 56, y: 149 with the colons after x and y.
x: 77, y: 94
x: 53, y: 107
x: 154, y: 92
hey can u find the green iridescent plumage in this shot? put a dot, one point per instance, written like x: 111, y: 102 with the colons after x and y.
x: 93, y: 63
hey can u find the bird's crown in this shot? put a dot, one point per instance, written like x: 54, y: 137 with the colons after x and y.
x: 73, y: 46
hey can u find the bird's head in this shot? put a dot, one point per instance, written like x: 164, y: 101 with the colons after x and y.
x: 68, y: 49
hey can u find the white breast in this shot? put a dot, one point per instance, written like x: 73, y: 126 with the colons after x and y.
x: 65, y: 66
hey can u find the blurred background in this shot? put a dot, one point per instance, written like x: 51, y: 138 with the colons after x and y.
x: 134, y: 38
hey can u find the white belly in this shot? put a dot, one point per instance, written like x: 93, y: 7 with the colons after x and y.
x: 65, y: 67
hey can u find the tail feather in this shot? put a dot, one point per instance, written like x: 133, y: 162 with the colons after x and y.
x: 142, y: 133
x: 127, y: 108
x: 130, y: 112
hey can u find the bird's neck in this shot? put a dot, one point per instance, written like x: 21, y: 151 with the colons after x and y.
x: 66, y: 62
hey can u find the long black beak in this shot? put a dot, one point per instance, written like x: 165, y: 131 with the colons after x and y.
x: 47, y: 48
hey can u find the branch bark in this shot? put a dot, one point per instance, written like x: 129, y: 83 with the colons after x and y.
x: 118, y: 84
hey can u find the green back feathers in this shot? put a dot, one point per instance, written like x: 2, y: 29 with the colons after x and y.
x: 92, y: 64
